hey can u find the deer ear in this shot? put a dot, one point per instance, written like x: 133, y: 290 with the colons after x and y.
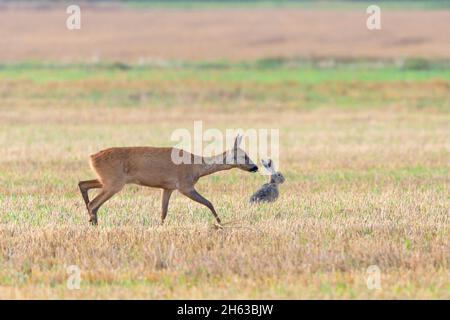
x: 270, y: 163
x: 238, y: 141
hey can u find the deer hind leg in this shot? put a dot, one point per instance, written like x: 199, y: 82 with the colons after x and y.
x: 165, y: 203
x: 85, y: 186
x: 194, y: 195
x: 105, y: 194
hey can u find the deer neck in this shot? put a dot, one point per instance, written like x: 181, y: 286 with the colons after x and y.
x: 213, y: 164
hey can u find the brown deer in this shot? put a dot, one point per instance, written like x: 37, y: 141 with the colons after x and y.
x: 154, y: 167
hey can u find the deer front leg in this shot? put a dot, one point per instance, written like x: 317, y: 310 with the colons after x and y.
x: 194, y: 195
x: 166, y: 193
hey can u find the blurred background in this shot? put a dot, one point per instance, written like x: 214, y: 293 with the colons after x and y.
x: 156, y: 31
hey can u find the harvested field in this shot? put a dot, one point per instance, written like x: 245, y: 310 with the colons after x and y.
x: 367, y: 184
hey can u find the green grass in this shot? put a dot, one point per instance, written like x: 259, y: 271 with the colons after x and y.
x: 269, y: 83
x: 267, y: 71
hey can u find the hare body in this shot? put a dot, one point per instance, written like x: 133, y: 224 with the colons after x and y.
x: 269, y: 191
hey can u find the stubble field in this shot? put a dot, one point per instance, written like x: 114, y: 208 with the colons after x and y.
x: 367, y: 183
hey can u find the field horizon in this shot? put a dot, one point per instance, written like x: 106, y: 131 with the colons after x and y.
x: 153, y: 34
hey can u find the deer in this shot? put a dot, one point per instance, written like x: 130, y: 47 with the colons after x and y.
x: 154, y: 167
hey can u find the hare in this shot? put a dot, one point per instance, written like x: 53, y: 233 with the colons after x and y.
x: 269, y: 191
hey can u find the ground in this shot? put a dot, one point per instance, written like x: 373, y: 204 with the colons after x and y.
x: 366, y: 184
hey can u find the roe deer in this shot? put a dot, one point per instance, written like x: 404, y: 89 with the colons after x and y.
x: 154, y: 167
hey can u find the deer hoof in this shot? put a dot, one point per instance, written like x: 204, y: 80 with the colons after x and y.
x: 218, y: 226
x: 93, y: 221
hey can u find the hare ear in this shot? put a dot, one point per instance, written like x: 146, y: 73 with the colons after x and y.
x: 238, y: 141
x: 268, y: 165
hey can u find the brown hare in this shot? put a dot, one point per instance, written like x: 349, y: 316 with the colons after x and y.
x: 269, y: 191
